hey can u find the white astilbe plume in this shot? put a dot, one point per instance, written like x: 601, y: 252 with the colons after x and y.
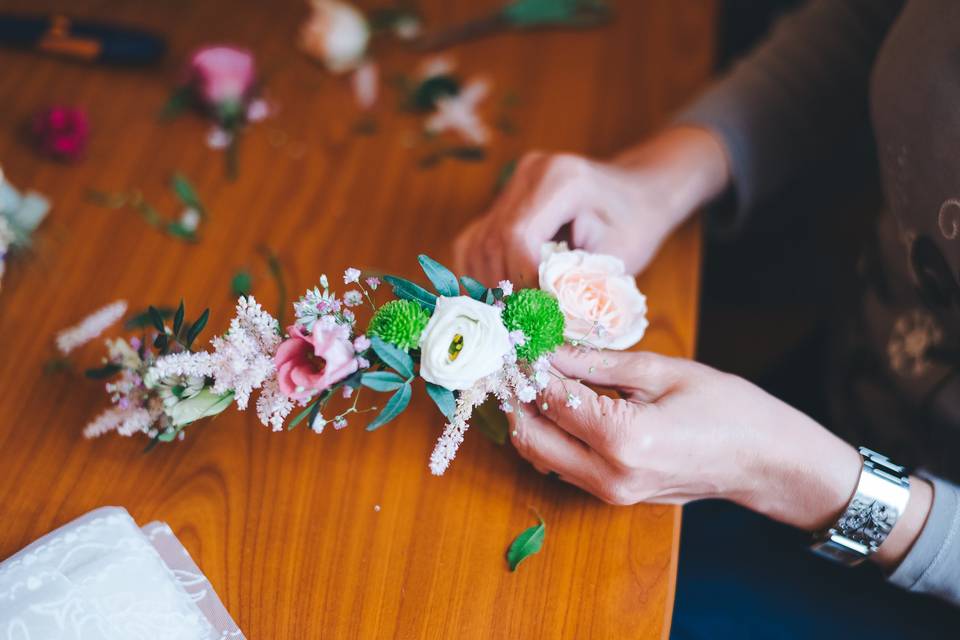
x: 125, y: 422
x: 90, y: 327
x: 242, y: 359
x: 273, y: 406
x: 446, y: 448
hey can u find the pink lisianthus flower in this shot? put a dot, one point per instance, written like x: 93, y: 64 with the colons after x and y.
x: 222, y: 75
x: 61, y: 132
x: 309, y: 363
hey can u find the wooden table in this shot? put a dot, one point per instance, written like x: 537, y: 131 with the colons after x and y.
x: 285, y: 524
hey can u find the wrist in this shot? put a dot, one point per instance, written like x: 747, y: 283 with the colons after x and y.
x: 685, y: 167
x: 911, y: 522
x: 805, y: 476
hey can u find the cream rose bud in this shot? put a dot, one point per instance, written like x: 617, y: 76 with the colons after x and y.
x: 599, y: 299
x: 464, y: 341
x: 337, y: 34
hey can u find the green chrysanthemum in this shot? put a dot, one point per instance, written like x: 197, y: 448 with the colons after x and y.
x: 538, y: 315
x: 399, y: 322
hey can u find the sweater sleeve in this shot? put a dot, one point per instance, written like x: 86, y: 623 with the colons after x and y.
x: 783, y: 110
x: 933, y: 564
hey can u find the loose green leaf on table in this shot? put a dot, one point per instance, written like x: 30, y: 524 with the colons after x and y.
x: 526, y: 544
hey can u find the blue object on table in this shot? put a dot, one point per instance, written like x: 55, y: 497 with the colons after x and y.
x: 81, y: 40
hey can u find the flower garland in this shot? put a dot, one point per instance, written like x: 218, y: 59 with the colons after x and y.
x: 465, y: 340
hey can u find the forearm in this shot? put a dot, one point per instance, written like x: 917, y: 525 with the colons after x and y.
x: 686, y: 166
x: 807, y: 476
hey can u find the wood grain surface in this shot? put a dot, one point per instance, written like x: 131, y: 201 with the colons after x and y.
x: 284, y: 524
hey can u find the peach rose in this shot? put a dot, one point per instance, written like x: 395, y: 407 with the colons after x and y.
x: 310, y: 363
x: 600, y: 301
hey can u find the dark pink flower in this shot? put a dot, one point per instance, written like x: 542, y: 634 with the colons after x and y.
x: 61, y: 132
x: 222, y: 74
x: 310, y: 363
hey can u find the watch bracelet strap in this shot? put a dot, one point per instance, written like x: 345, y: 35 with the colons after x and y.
x: 879, y: 500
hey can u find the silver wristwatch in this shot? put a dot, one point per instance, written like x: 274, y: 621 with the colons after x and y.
x: 877, y: 504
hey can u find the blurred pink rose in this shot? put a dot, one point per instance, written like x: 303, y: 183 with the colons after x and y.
x: 222, y: 74
x: 61, y: 132
x: 599, y: 299
x: 311, y: 363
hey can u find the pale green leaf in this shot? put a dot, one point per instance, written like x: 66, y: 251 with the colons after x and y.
x: 395, y: 406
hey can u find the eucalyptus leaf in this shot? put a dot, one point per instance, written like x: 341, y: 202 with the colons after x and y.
x: 303, y: 414
x: 156, y: 318
x: 178, y: 319
x: 443, y: 398
x: 382, y: 380
x: 145, y: 318
x: 535, y: 13
x: 394, y: 357
x: 406, y: 290
x: 395, y: 406
x: 475, y: 289
x: 197, y: 327
x: 442, y: 278
x: 526, y: 544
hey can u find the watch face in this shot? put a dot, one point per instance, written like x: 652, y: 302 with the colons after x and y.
x: 867, y: 522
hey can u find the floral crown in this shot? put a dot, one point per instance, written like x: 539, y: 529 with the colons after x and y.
x: 465, y: 340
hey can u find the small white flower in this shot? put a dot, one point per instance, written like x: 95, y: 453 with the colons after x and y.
x: 318, y: 424
x: 190, y: 219
x: 459, y: 113
x: 517, y: 338
x: 506, y: 286
x: 258, y: 110
x: 526, y: 393
x: 218, y: 138
x: 573, y: 401
x: 353, y: 298
x: 336, y: 34
x: 351, y: 275
x: 324, y: 282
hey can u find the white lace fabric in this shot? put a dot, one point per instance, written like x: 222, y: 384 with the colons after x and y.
x: 101, y: 577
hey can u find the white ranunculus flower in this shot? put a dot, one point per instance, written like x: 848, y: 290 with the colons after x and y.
x: 337, y: 34
x: 464, y: 341
x: 599, y: 299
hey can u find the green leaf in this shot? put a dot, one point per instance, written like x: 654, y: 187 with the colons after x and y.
x: 475, y: 289
x: 394, y: 357
x: 443, y: 398
x: 491, y: 421
x: 197, y: 327
x: 145, y: 319
x: 303, y: 414
x: 442, y: 278
x: 105, y: 371
x: 156, y: 319
x: 241, y: 284
x: 526, y: 544
x: 407, y: 290
x: 167, y: 436
x: 178, y: 319
x: 426, y: 94
x: 535, y: 13
x: 203, y: 405
x: 179, y: 100
x: 185, y: 192
x: 395, y: 406
x: 382, y: 380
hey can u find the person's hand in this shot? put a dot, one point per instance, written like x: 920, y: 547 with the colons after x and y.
x: 681, y: 431
x: 625, y: 207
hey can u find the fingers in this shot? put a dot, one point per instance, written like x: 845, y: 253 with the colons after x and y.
x: 601, y: 422
x: 643, y: 375
x: 548, y: 447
